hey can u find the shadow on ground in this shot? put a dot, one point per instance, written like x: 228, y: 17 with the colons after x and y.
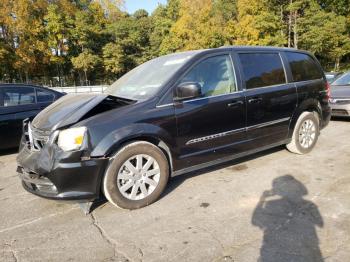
x: 288, y: 222
x: 236, y: 165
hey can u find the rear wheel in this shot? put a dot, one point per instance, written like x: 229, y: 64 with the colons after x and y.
x: 305, y: 134
x: 137, y: 176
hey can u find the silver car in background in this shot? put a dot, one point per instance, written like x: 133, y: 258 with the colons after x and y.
x: 332, y: 76
x: 340, y: 96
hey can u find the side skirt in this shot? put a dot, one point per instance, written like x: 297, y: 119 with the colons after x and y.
x: 228, y: 158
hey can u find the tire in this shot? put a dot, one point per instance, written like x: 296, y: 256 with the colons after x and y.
x: 125, y: 185
x: 298, y: 145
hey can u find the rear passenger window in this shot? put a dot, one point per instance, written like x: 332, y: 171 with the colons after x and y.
x: 262, y: 69
x: 303, y: 67
x: 20, y: 95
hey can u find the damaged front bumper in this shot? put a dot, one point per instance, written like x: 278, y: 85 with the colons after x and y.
x: 52, y: 173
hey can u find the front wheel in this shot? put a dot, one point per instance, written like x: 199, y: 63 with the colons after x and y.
x: 305, y: 134
x: 136, y: 176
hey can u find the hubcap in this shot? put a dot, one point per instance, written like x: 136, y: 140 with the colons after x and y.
x: 307, y: 133
x: 138, y: 177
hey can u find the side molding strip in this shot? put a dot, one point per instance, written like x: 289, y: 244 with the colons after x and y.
x: 268, y: 123
x: 205, y: 138
x: 231, y: 132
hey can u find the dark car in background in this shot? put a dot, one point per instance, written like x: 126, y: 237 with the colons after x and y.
x: 173, y: 115
x: 18, y: 102
x: 332, y: 76
x: 340, y: 96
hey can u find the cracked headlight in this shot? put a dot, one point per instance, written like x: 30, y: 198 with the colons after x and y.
x: 71, y: 139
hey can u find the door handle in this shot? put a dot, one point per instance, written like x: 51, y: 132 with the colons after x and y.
x: 255, y: 100
x: 235, y: 103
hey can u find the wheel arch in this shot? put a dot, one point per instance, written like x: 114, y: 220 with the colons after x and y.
x: 309, y: 105
x: 117, y: 139
x: 146, y: 138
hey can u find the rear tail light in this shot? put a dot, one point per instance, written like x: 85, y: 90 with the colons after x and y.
x: 328, y: 90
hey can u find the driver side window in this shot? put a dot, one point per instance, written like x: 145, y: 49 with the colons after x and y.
x: 215, y: 75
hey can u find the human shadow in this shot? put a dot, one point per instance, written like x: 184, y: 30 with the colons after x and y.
x: 288, y: 222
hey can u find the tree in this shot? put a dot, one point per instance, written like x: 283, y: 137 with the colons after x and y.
x: 58, y: 35
x: 195, y: 28
x: 325, y: 34
x: 86, y: 61
x: 29, y: 36
x: 44, y: 38
x: 163, y: 19
x: 114, y: 59
x: 256, y: 24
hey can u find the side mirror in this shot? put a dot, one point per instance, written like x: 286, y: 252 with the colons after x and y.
x: 188, y: 90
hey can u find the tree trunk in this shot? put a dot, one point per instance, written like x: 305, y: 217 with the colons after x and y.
x: 20, y: 76
x: 337, y: 64
x: 27, y: 76
x: 86, y: 80
x: 290, y: 26
x: 59, y: 74
x: 295, y: 29
x: 282, y: 27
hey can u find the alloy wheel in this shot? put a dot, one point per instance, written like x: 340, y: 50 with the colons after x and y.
x: 307, y: 133
x: 138, y: 177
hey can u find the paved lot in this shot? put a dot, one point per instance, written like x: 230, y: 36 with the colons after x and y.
x: 221, y: 214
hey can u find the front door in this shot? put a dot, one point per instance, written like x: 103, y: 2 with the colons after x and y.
x: 271, y: 101
x: 213, y: 125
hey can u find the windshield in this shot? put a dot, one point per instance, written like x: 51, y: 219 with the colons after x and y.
x: 343, y: 80
x: 145, y: 80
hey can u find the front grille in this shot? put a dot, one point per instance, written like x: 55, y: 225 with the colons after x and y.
x: 36, y: 138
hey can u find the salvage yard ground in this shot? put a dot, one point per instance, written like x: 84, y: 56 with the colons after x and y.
x: 220, y: 214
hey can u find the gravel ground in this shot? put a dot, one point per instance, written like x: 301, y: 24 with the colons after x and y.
x: 274, y: 205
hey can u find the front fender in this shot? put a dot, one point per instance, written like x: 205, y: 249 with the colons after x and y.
x: 113, y: 140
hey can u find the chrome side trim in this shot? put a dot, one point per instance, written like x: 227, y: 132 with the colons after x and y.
x: 165, y: 105
x: 268, y: 123
x: 209, y: 97
x: 205, y: 138
x: 201, y: 98
x: 231, y: 132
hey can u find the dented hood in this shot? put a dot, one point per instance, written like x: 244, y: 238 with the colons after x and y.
x: 66, y: 111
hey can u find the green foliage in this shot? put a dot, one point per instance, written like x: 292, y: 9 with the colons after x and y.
x: 85, y: 61
x: 41, y: 40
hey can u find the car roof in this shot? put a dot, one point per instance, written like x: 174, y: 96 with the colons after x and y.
x: 28, y: 85
x: 251, y: 48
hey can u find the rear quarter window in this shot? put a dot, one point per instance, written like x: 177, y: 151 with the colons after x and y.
x: 262, y: 69
x: 44, y: 96
x: 303, y: 67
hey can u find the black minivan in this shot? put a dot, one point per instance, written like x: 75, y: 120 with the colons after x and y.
x: 172, y: 115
